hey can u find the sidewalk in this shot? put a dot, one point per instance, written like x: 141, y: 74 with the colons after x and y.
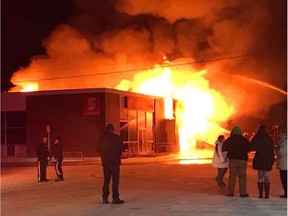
x: 24, y: 161
x: 150, y: 186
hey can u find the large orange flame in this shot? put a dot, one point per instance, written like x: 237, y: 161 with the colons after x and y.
x: 200, y: 110
x: 29, y: 87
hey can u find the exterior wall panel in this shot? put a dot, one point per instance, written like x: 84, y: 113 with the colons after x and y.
x: 112, y: 110
x: 64, y: 114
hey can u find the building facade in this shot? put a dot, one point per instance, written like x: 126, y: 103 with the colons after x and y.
x: 80, y: 117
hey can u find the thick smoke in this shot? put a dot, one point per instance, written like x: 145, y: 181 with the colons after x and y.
x: 104, y: 42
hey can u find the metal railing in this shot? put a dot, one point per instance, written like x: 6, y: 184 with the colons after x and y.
x: 161, y: 147
x: 133, y: 148
x: 73, y: 155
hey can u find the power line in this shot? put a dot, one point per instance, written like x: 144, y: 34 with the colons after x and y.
x: 140, y: 69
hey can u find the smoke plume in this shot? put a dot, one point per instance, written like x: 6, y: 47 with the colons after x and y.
x: 237, y: 42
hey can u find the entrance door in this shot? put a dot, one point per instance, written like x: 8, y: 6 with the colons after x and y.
x: 144, y: 147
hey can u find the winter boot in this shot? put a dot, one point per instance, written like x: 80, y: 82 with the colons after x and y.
x: 117, y: 201
x: 267, y: 189
x: 105, y: 199
x: 260, y: 189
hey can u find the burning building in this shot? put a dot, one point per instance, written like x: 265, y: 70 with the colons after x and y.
x: 217, y: 60
x: 80, y: 117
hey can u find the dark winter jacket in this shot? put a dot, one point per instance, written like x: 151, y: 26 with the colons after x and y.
x: 42, y: 151
x: 262, y: 144
x: 57, y: 151
x: 237, y: 146
x: 110, y: 146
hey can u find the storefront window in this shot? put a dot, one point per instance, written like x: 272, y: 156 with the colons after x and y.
x: 13, y: 127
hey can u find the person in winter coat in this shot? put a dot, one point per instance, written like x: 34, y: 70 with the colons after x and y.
x: 237, y: 148
x: 282, y: 160
x: 220, y: 161
x: 110, y: 146
x: 57, y: 152
x: 43, y: 157
x: 263, y: 160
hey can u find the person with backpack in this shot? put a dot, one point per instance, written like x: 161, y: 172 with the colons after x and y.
x: 220, y: 161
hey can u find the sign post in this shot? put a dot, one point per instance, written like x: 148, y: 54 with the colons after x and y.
x: 48, y: 129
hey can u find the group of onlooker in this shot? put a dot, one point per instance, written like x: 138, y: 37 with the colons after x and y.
x: 44, y: 156
x: 233, y: 152
x: 230, y: 153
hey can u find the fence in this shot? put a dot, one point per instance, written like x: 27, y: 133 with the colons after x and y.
x: 73, y: 155
x: 163, y: 147
x: 133, y: 148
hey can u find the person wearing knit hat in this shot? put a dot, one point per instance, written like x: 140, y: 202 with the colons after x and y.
x: 110, y: 127
x: 237, y: 148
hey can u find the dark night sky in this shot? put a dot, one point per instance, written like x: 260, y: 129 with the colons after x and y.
x: 24, y: 24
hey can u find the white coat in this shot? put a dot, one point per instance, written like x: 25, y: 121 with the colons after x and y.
x: 219, y: 160
x: 282, y: 152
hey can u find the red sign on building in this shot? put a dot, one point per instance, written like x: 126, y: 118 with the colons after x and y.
x: 91, y: 105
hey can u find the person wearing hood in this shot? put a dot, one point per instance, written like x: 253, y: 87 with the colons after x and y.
x: 220, y: 161
x: 263, y: 160
x: 282, y: 160
x: 237, y: 148
x: 110, y: 147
